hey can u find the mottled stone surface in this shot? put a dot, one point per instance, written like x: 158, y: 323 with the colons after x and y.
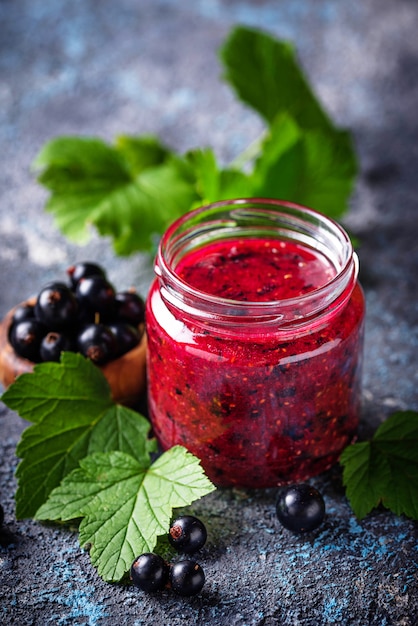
x: 97, y: 67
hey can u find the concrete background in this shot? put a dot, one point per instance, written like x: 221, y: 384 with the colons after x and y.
x: 104, y: 68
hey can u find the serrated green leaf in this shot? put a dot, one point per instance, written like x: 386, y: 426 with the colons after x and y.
x: 266, y: 76
x: 303, y: 158
x: 74, y: 385
x: 125, y: 505
x: 206, y: 172
x: 331, y: 167
x: 401, y: 426
x: 308, y: 167
x: 235, y: 184
x: 142, y: 152
x: 385, y: 470
x: 80, y: 163
x: 401, y: 495
x: 362, y: 466
x: 145, y: 208
x: 129, y: 191
x: 74, y: 415
x: 214, y: 183
x: 280, y: 169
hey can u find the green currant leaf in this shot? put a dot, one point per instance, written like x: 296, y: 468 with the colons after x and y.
x: 308, y: 167
x: 280, y: 168
x: 206, y: 171
x: 125, y: 504
x: 140, y: 212
x: 140, y: 153
x: 214, y: 183
x: 74, y: 386
x: 303, y: 158
x: 130, y: 191
x: 267, y: 76
x: 73, y: 415
x: 385, y: 469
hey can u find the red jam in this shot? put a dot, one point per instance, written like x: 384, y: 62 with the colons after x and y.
x: 259, y: 400
x: 255, y: 270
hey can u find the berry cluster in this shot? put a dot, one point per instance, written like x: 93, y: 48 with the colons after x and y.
x: 87, y: 315
x: 150, y: 572
x: 300, y: 508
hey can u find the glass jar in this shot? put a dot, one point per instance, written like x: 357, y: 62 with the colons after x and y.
x: 255, y: 329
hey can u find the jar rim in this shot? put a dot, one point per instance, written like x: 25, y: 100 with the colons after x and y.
x: 283, y: 311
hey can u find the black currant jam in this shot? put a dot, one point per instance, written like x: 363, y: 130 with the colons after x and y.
x: 255, y: 333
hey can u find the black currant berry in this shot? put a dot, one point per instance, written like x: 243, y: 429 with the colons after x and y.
x: 187, y: 534
x: 149, y: 572
x: 56, y: 306
x: 53, y: 344
x: 126, y: 337
x: 25, y: 338
x: 1, y: 516
x: 97, y: 343
x: 84, y: 269
x: 22, y: 312
x: 186, y: 578
x: 96, y: 295
x: 130, y: 307
x: 300, y: 508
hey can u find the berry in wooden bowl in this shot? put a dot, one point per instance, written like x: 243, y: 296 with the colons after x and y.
x: 88, y: 316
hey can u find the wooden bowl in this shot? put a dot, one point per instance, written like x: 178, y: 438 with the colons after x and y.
x: 125, y: 375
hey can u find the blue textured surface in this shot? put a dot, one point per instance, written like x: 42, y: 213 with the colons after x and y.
x: 106, y: 68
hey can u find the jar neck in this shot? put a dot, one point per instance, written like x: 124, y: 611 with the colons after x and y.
x: 257, y: 218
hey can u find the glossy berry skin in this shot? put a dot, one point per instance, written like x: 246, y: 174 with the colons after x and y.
x: 53, y: 344
x: 126, y: 337
x: 23, y: 312
x: 56, y: 306
x: 84, y: 269
x: 149, y: 572
x: 300, y: 508
x: 97, y: 343
x: 96, y: 296
x: 130, y: 307
x: 187, y: 534
x: 25, y: 338
x: 186, y: 578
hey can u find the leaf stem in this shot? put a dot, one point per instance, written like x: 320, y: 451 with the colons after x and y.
x: 249, y: 154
